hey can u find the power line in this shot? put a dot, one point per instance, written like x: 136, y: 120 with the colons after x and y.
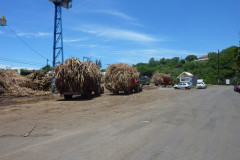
x: 25, y: 42
x: 19, y: 61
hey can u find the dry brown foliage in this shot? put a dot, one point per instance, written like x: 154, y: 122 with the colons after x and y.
x: 118, y: 76
x: 13, y: 84
x: 158, y: 78
x: 40, y: 81
x: 76, y: 76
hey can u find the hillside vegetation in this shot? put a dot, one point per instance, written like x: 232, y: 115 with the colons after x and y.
x: 229, y: 66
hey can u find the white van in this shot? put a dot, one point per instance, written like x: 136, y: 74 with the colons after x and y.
x: 201, y: 84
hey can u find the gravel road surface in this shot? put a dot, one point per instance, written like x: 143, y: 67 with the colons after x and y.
x: 156, y: 124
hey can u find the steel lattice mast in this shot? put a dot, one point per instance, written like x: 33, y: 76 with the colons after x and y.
x: 58, y: 36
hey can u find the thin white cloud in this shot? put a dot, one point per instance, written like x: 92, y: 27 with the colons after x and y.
x: 72, y: 40
x: 1, y: 32
x: 116, y: 13
x: 137, y: 24
x: 87, y: 45
x: 118, y: 34
x: 111, y: 12
x: 37, y: 35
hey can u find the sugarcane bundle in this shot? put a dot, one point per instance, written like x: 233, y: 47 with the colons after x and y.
x: 160, y: 78
x: 11, y: 83
x: 40, y: 81
x: 2, y: 86
x: 46, y: 83
x: 36, y: 75
x: 118, y: 77
x: 76, y: 76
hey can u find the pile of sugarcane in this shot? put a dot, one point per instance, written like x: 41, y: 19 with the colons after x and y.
x: 75, y: 76
x: 13, y: 84
x: 40, y: 81
x: 36, y: 75
x: 118, y: 77
x: 161, y: 78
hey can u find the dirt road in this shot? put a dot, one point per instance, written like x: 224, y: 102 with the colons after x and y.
x: 155, y: 124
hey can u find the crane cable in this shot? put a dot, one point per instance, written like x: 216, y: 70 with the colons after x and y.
x: 25, y: 42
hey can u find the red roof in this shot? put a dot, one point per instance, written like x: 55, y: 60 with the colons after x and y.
x: 204, y: 56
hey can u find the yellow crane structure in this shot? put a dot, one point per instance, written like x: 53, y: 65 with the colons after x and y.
x: 3, y: 21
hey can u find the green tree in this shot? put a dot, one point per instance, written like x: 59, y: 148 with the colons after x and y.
x: 25, y: 72
x: 163, y: 61
x: 237, y: 61
x: 174, y: 62
x: 46, y: 68
x: 191, y: 58
x: 229, y: 66
x: 152, y: 62
x: 182, y: 61
x: 145, y: 69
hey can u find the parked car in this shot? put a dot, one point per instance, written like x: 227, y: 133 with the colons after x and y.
x: 182, y: 85
x: 144, y: 80
x: 201, y: 85
x: 237, y: 87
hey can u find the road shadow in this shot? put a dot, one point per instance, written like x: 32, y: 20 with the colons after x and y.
x: 123, y: 94
x: 79, y: 98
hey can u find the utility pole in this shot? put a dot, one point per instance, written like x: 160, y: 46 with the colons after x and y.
x: 47, y: 62
x: 236, y: 57
x: 218, y: 67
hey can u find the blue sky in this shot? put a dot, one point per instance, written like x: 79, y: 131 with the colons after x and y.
x: 115, y: 31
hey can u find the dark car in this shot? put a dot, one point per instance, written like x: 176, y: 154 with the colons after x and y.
x: 144, y: 80
x: 237, y: 87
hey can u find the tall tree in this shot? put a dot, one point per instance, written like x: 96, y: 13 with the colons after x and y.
x: 152, y: 62
x: 46, y: 68
x: 237, y: 61
x: 191, y: 58
x: 163, y: 61
x: 174, y: 61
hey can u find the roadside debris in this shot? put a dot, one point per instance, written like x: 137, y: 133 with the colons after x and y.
x: 30, y: 131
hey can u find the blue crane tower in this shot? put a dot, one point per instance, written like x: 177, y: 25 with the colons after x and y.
x: 58, y: 37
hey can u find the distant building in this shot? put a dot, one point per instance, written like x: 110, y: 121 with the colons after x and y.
x: 186, y: 77
x: 203, y: 58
